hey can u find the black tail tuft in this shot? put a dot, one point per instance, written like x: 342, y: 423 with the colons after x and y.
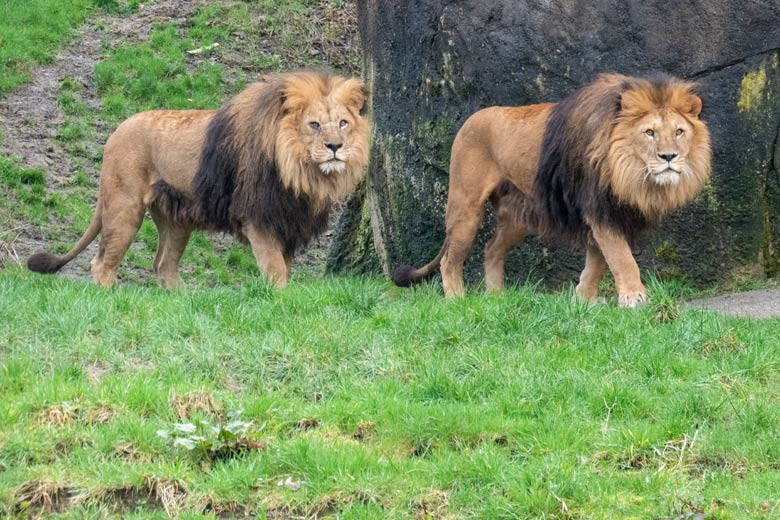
x: 404, y: 276
x: 45, y: 263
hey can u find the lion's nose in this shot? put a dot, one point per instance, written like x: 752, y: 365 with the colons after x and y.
x: 333, y: 146
x: 667, y: 156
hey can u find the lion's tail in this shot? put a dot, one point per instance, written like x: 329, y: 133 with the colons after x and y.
x: 406, y: 275
x: 48, y: 263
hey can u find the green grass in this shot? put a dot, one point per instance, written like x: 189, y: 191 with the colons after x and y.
x: 153, y: 75
x: 23, y: 197
x: 386, y: 402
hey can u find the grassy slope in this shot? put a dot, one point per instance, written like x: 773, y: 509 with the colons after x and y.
x: 499, y: 406
x: 31, y: 31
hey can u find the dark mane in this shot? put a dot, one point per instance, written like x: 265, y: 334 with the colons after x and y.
x: 238, y: 182
x: 567, y: 191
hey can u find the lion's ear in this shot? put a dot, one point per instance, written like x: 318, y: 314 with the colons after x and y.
x: 632, y: 101
x: 694, y: 105
x: 353, y: 93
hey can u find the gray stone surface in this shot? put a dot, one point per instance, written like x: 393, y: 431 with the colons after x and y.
x: 431, y: 63
x: 751, y: 304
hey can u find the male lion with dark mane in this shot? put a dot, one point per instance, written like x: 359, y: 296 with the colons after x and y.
x: 266, y: 167
x: 594, y: 169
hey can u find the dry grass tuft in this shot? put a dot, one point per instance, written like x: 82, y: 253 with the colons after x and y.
x: 433, y: 504
x: 41, y: 496
x: 153, y: 493
x: 99, y: 415
x: 308, y: 423
x: 365, y: 431
x: 333, y: 503
x: 58, y: 414
x: 728, y: 343
x: 191, y: 403
x: 231, y: 509
x: 127, y: 450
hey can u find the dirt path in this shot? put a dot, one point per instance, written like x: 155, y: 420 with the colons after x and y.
x: 30, y: 116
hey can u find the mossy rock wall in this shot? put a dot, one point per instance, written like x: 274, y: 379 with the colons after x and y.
x: 429, y: 64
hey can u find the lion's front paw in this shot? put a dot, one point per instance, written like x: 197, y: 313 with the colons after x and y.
x: 631, y: 299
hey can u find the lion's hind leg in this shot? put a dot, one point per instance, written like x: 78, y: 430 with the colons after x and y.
x: 171, y: 242
x: 510, y: 230
x: 120, y: 226
x: 595, y: 266
x: 462, y: 224
x: 269, y: 255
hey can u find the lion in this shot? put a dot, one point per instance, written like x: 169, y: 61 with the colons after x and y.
x: 266, y: 167
x: 594, y: 170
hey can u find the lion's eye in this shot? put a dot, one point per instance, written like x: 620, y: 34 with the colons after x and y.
x: 650, y: 133
x: 679, y: 132
x: 343, y: 123
x: 315, y: 126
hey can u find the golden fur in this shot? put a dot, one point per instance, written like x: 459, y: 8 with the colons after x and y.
x: 259, y: 167
x: 586, y: 169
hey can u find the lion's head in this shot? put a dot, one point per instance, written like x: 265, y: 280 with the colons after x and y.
x: 621, y: 152
x: 658, y: 153
x: 265, y: 161
x: 322, y: 145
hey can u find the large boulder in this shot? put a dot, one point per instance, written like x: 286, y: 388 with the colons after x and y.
x: 431, y: 63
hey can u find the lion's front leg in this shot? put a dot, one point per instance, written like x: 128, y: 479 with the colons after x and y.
x: 268, y: 255
x: 621, y: 262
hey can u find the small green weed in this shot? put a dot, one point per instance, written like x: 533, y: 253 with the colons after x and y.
x: 215, y: 441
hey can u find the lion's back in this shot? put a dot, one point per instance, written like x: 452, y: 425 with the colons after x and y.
x: 163, y: 144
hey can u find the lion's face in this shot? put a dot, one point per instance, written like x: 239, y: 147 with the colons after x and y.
x: 322, y: 145
x: 662, y: 140
x: 327, y: 130
x: 659, y: 151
